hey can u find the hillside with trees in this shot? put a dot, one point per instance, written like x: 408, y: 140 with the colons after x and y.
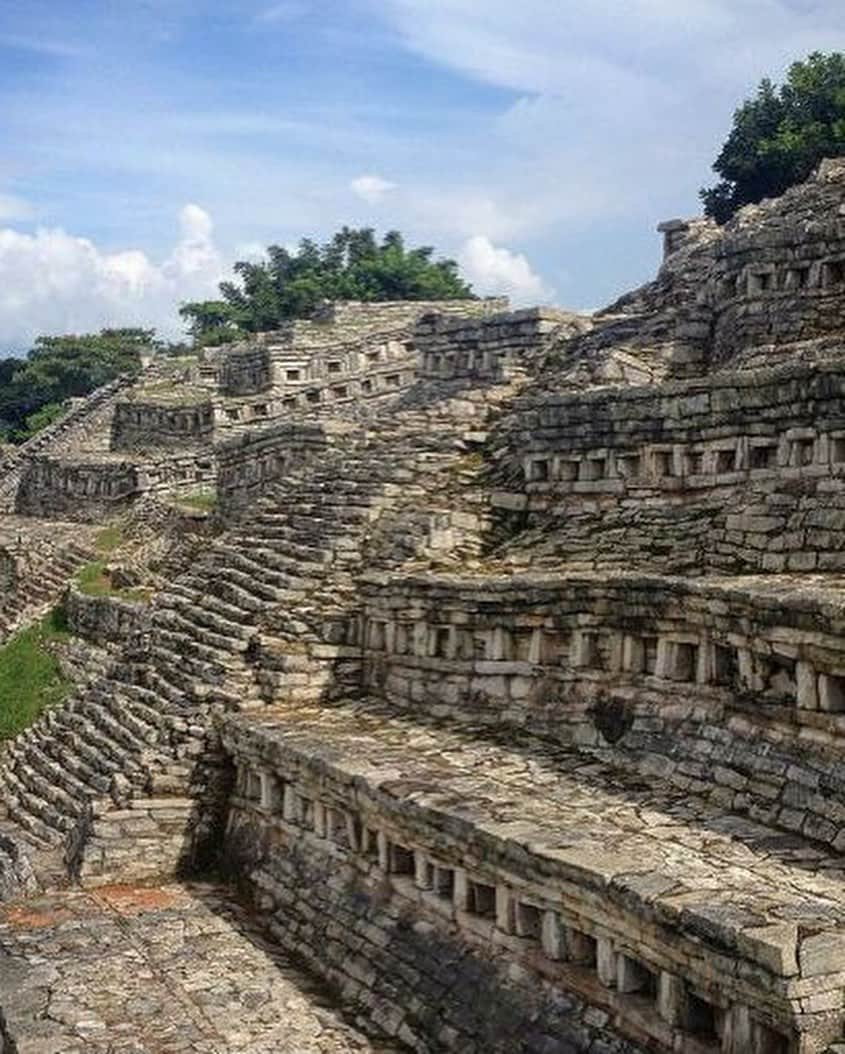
x: 352, y: 265
x: 780, y: 135
x: 34, y: 390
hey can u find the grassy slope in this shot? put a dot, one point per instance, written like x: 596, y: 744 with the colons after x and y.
x: 30, y: 676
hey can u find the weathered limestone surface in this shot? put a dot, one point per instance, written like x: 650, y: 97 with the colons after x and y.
x: 684, y: 889
x: 105, y: 619
x: 507, y: 680
x: 36, y: 560
x: 141, y: 426
x: 168, y: 970
x: 766, y: 286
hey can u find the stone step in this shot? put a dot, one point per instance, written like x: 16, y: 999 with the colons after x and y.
x: 204, y: 627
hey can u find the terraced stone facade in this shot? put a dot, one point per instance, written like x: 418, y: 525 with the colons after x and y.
x: 507, y: 697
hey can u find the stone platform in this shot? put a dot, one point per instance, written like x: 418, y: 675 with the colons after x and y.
x: 559, y: 856
x: 168, y: 970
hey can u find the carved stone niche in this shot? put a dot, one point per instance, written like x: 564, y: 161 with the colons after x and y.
x: 613, y: 718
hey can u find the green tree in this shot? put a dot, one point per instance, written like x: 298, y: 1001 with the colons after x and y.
x: 352, y: 265
x: 780, y: 135
x: 33, y: 391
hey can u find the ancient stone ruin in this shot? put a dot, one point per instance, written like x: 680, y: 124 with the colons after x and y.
x: 497, y: 702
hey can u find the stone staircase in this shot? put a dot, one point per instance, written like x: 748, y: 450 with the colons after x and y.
x: 106, y: 744
x: 43, y: 581
x: 86, y: 419
x: 259, y: 617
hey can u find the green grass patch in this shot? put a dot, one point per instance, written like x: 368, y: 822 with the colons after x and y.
x: 204, y: 500
x: 108, y: 539
x: 30, y: 675
x: 94, y: 581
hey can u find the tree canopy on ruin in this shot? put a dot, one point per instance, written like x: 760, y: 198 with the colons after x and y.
x: 780, y: 135
x: 33, y: 390
x: 352, y: 265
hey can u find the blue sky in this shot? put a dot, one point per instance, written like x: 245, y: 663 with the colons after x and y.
x: 146, y: 144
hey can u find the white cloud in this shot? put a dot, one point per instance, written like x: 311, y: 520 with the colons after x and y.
x: 618, y: 108
x: 496, y: 271
x: 55, y: 282
x: 372, y: 189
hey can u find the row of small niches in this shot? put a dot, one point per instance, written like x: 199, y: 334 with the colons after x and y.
x: 352, y: 363
x: 446, y: 364
x: 180, y: 419
x: 772, y: 676
x: 731, y: 1030
x: 817, y: 275
x: 752, y: 454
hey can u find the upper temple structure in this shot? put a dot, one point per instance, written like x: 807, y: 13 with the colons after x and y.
x: 461, y: 680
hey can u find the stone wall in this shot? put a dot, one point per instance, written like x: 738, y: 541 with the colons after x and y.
x: 490, y: 349
x: 105, y: 620
x: 306, y: 348
x: 380, y: 377
x: 682, y: 677
x: 146, y: 426
x: 67, y: 429
x: 399, y: 313
x: 246, y: 372
x: 779, y: 273
x: 249, y: 464
x: 8, y: 571
x: 177, y: 474
x: 144, y: 840
x: 419, y: 913
x: 296, y: 366
x: 75, y: 490
x: 737, y: 471
x: 91, y: 490
x: 681, y: 437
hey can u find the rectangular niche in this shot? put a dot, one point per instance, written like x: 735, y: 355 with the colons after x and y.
x: 682, y: 664
x: 694, y: 463
x: 798, y: 277
x: 663, y: 463
x: 539, y: 470
x: 401, y: 859
x: 704, y: 1019
x: 832, y: 693
x: 592, y: 469
x: 765, y: 455
x: 628, y: 465
x: 779, y: 679
x: 481, y: 899
x: 833, y: 273
x: 725, y: 665
x: 760, y: 282
x: 635, y: 978
x: 803, y: 452
x: 725, y: 461
x: 529, y: 921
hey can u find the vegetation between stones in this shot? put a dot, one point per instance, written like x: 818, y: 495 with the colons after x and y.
x: 30, y: 674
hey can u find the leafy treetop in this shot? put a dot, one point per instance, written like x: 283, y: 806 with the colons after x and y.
x: 33, y: 390
x: 780, y: 135
x: 353, y: 265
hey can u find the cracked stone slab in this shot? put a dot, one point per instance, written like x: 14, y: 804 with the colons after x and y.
x: 167, y: 970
